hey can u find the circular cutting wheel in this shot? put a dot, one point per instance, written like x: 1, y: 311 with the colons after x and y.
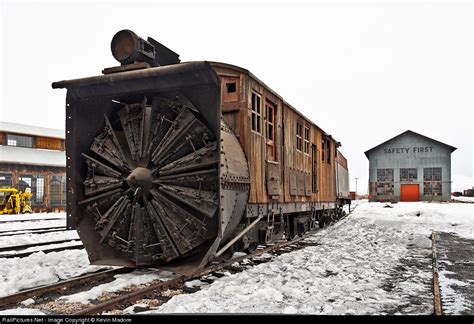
x: 151, y: 183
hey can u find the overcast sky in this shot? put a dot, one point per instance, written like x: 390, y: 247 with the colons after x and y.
x: 363, y: 71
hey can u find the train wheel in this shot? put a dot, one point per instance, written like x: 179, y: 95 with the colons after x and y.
x: 252, y: 248
x: 227, y: 255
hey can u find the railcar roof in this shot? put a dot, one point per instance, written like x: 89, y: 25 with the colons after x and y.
x: 247, y: 72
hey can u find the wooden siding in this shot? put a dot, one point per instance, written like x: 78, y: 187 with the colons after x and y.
x: 292, y: 164
x: 49, y: 143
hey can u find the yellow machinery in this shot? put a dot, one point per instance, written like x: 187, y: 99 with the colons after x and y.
x: 14, y: 201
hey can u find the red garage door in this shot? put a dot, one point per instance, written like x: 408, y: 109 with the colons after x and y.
x: 409, y: 192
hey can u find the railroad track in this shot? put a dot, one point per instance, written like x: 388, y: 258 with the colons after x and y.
x: 436, y: 293
x: 155, y: 289
x: 179, y: 282
x: 33, y: 231
x: 61, y: 286
x: 47, y: 250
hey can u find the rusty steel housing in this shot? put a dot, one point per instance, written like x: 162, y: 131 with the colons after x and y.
x: 178, y: 164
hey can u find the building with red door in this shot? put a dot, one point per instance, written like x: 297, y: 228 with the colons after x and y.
x: 410, y: 167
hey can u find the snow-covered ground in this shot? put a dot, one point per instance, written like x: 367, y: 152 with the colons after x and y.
x: 121, y: 281
x: 463, y: 199
x: 377, y: 261
x: 7, y: 224
x: 17, y: 226
x: 41, y: 247
x: 40, y: 269
x: 30, y: 238
x: 34, y: 216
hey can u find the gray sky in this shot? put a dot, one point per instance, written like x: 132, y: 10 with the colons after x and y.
x: 362, y: 71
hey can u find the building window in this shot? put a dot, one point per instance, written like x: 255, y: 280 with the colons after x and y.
x: 299, y: 137
x: 19, y: 140
x: 36, y: 185
x: 5, y: 180
x: 410, y: 174
x: 57, y: 190
x: 256, y: 113
x: 270, y: 133
x: 385, y: 182
x: 306, y: 140
x: 432, y: 185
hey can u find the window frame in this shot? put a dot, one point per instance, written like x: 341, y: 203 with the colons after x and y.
x: 299, y: 137
x: 270, y: 128
x: 306, y: 139
x: 256, y: 113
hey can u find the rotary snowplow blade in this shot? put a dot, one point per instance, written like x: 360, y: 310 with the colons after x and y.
x: 143, y: 164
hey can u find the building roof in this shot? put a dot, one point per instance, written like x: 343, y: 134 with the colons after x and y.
x: 31, y: 130
x: 31, y: 156
x: 409, y: 132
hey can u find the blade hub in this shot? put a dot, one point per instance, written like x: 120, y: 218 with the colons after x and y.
x: 141, y: 178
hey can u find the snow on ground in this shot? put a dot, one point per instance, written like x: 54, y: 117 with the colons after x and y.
x: 121, y: 281
x: 22, y: 311
x: 42, y: 247
x: 14, y: 226
x: 463, y: 199
x: 30, y: 238
x: 377, y: 261
x: 423, y: 217
x: 34, y: 216
x: 40, y: 269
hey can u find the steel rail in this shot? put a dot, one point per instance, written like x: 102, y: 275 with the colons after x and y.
x: 57, y: 249
x: 36, y: 232
x: 25, y: 246
x: 436, y: 294
x: 180, y: 280
x: 31, y: 229
x: 69, y: 283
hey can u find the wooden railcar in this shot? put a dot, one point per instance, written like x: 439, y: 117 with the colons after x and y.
x: 292, y: 161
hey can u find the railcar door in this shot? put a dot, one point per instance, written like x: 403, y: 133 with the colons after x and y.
x: 273, y: 170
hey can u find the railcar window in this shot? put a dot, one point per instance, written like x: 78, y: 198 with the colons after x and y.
x: 306, y: 140
x: 328, y: 153
x: 299, y: 137
x: 314, y: 170
x: 323, y: 150
x: 19, y: 140
x: 231, y: 87
x: 270, y: 133
x: 256, y: 113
